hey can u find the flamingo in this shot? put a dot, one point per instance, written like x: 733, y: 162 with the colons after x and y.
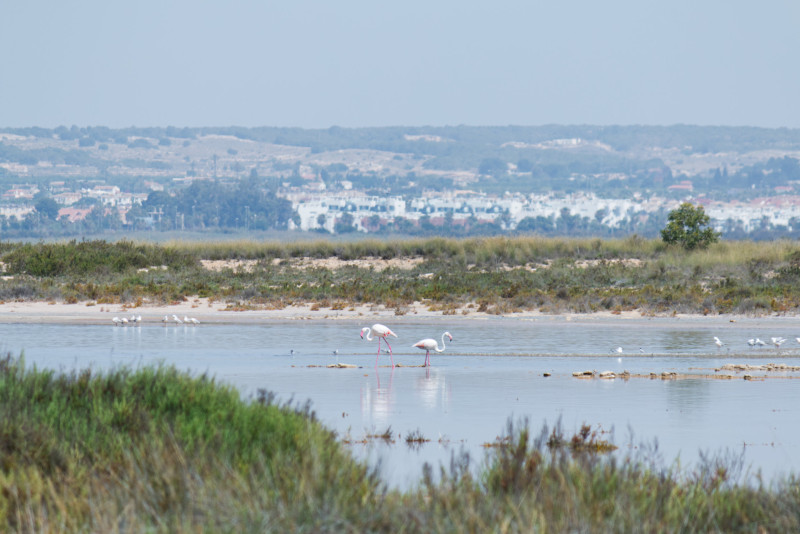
x: 381, y: 332
x: 431, y: 344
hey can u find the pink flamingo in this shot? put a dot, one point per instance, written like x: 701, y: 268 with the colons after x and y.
x: 431, y: 344
x: 381, y: 332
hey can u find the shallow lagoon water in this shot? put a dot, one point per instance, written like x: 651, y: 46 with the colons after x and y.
x: 491, y: 373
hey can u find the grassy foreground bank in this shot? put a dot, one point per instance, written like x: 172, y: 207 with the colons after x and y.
x: 155, y: 450
x: 494, y: 275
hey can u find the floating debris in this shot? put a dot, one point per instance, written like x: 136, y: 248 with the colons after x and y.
x: 672, y: 375
x: 769, y: 367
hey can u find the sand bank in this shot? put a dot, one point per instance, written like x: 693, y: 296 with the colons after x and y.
x: 208, y: 311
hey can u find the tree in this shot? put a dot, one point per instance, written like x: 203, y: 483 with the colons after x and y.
x: 47, y: 208
x: 687, y: 227
x: 344, y: 224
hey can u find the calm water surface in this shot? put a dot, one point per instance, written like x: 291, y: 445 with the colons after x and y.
x: 491, y: 373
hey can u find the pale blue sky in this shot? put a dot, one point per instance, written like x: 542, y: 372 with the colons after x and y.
x: 370, y: 63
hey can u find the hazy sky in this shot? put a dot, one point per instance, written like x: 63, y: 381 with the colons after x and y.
x: 372, y: 63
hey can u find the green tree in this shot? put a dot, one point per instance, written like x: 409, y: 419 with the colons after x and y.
x: 687, y: 226
x: 344, y: 224
x: 47, y: 208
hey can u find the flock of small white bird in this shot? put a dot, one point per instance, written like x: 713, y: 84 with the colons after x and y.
x: 136, y: 319
x: 752, y: 342
x: 124, y: 321
x: 758, y: 342
x: 777, y: 341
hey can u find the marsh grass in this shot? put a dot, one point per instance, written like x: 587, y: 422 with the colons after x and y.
x: 155, y: 450
x: 495, y: 275
x: 159, y: 449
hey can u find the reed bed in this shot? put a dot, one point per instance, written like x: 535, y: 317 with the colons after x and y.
x: 156, y: 450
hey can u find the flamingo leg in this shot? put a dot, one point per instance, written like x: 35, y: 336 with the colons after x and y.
x: 390, y: 352
x: 427, y: 358
x: 379, y: 353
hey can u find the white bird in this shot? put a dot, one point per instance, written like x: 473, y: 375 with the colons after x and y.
x: 717, y: 342
x: 778, y: 341
x: 124, y: 320
x: 618, y: 350
x: 430, y: 344
x: 759, y: 342
x: 176, y: 319
x: 193, y: 320
x: 165, y: 320
x: 751, y: 342
x: 117, y: 321
x: 381, y: 332
x: 797, y: 339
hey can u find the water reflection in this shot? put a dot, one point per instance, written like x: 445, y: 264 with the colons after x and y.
x: 432, y: 389
x: 377, y: 402
x: 687, y: 395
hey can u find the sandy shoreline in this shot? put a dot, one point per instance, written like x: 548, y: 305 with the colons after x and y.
x: 207, y: 311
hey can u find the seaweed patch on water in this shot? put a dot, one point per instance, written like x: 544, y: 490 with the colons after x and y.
x: 585, y: 440
x: 416, y: 439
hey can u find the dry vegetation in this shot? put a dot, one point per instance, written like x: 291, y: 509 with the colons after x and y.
x: 492, y: 275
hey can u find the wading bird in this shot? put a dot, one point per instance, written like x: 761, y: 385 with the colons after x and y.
x: 381, y: 332
x: 431, y: 344
x: 717, y: 342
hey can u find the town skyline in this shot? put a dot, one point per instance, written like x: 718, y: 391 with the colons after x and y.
x: 601, y: 181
